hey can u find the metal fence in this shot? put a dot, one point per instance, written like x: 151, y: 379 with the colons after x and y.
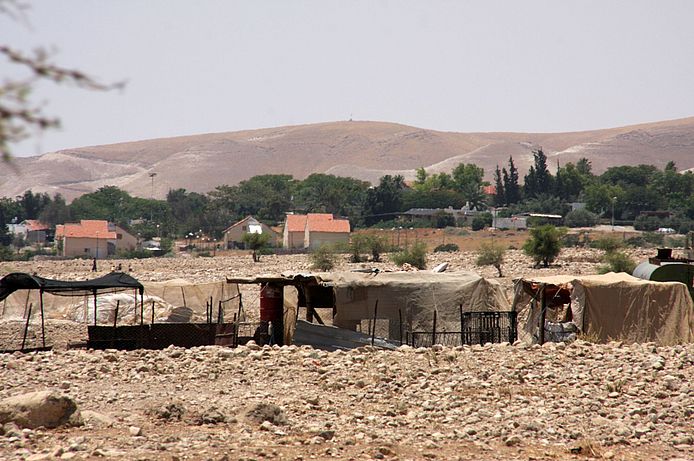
x: 476, y: 328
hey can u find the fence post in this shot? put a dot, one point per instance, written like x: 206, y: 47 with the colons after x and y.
x: 26, y: 327
x: 543, y: 313
x: 400, y: 316
x: 433, y: 337
x: 373, y: 331
x: 462, y: 326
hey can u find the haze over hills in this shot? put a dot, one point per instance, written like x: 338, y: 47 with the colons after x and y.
x: 360, y: 149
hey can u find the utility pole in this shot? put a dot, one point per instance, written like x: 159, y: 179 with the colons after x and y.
x: 151, y: 213
x: 614, y: 199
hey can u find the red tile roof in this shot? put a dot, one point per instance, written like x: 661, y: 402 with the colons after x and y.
x: 327, y: 223
x: 295, y: 222
x: 489, y: 190
x: 86, y: 228
x: 35, y: 225
x: 316, y: 222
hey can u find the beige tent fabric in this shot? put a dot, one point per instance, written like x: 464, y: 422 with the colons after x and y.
x: 415, y: 296
x: 166, y: 296
x: 615, y: 306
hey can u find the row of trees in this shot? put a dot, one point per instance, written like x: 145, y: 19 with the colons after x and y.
x: 628, y: 190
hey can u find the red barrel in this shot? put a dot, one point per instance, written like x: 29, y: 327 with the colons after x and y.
x: 271, y: 302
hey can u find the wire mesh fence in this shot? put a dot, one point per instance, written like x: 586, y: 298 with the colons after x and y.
x: 476, y: 328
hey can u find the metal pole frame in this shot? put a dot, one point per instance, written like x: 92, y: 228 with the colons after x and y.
x: 43, y: 326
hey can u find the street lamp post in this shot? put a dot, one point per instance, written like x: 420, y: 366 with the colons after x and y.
x: 97, y: 244
x: 614, y: 199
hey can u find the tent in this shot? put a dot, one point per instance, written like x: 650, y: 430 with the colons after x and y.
x: 388, y: 304
x: 613, y: 306
x: 110, y: 283
x: 412, y: 296
x: 174, y: 300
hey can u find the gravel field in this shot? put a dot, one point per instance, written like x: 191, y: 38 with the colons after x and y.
x: 576, y: 401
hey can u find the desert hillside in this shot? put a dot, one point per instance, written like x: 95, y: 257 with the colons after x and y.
x: 361, y: 149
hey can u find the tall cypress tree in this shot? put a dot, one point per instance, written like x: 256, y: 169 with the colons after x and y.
x: 500, y: 195
x: 539, y: 180
x: 543, y: 178
x: 511, y: 186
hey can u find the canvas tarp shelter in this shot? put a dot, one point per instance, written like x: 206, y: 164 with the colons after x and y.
x: 613, y: 306
x: 412, y: 296
x: 115, y: 281
x: 167, y: 296
x: 15, y: 283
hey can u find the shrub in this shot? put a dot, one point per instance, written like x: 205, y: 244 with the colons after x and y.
x: 446, y: 248
x: 323, y: 258
x: 356, y: 247
x: 571, y: 240
x: 456, y: 231
x: 478, y: 223
x: 653, y: 238
x: 366, y: 243
x: 544, y: 244
x: 616, y: 261
x: 580, y: 218
x: 415, y: 256
x: 491, y: 254
x: 256, y: 242
x: 674, y: 241
x: 608, y: 243
x: 443, y: 219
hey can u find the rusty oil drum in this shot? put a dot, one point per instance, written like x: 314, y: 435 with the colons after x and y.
x: 271, y: 302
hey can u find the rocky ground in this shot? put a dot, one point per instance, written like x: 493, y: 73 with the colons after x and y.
x: 575, y: 401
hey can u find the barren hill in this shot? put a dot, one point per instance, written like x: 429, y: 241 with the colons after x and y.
x: 360, y: 149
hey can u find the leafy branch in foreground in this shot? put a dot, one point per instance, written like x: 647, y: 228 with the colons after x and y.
x: 18, y: 115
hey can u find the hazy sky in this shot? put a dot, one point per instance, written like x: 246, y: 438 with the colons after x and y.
x: 208, y: 66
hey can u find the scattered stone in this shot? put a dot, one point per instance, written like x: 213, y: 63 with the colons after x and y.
x: 97, y: 419
x: 512, y: 441
x: 267, y: 412
x: 44, y: 408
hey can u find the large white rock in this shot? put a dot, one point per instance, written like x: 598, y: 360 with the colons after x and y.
x: 44, y: 408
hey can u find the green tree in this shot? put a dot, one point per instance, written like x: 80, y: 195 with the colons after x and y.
x: 5, y: 236
x: 491, y: 254
x: 420, y: 177
x: 539, y: 180
x: 384, y: 198
x: 580, y: 218
x: 56, y: 212
x: 468, y: 174
x: 569, y: 182
x: 256, y: 242
x: 584, y: 167
x: 188, y: 211
x: 324, y: 193
x: 544, y: 244
x: 511, y: 186
x: 499, y: 194
x: 267, y: 197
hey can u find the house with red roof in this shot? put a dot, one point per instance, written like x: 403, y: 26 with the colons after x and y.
x: 32, y: 230
x: 233, y: 235
x: 92, y: 238
x: 314, y: 230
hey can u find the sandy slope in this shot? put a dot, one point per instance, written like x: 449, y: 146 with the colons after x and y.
x: 365, y: 150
